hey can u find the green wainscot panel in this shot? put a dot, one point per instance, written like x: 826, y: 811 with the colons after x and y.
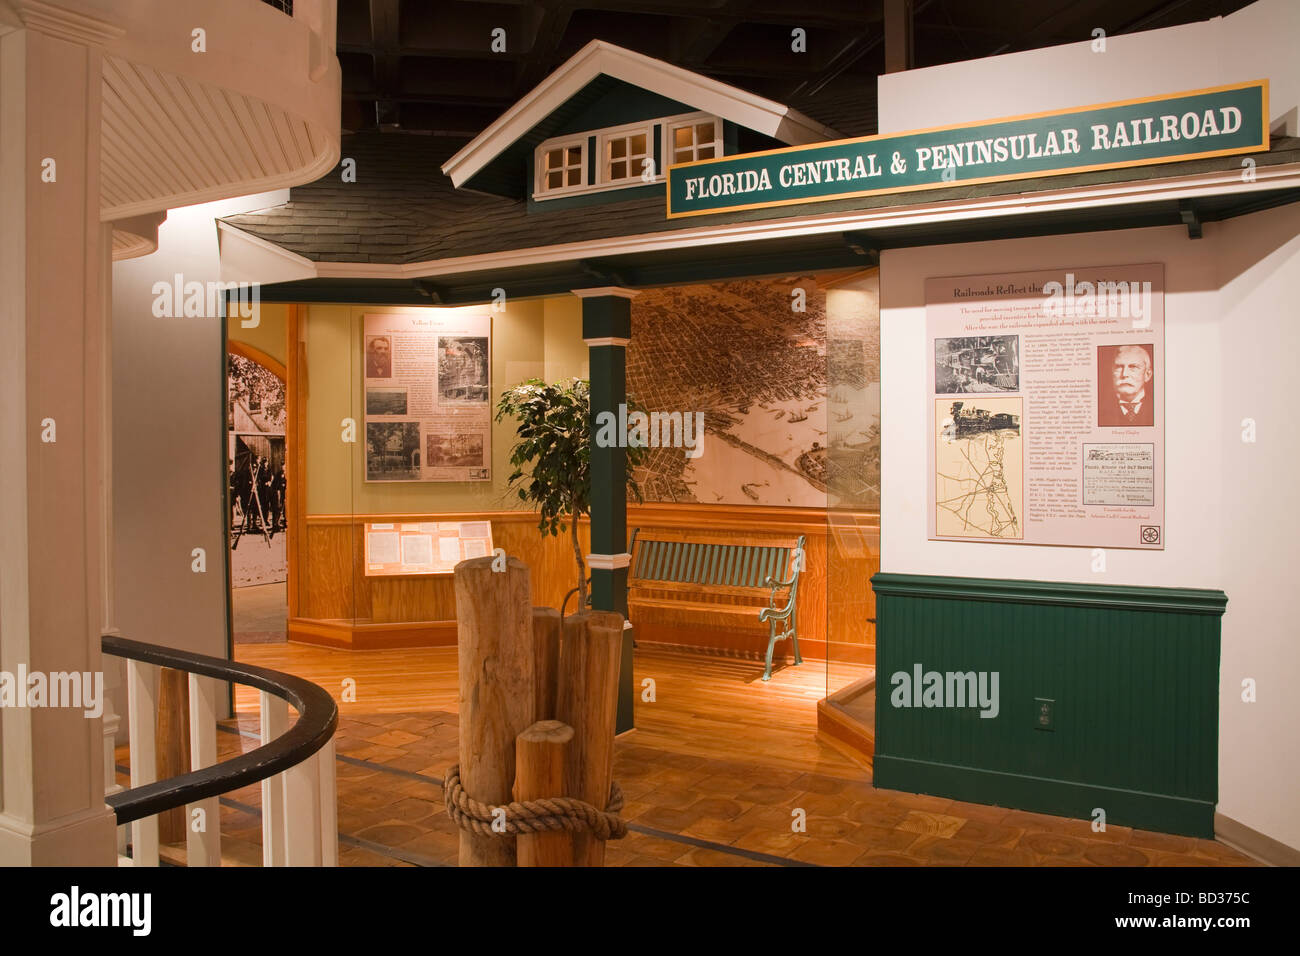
x: 1058, y: 698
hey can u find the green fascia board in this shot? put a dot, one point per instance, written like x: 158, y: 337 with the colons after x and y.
x: 1066, y: 594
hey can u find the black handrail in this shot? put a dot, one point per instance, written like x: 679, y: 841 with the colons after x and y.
x: 318, y: 718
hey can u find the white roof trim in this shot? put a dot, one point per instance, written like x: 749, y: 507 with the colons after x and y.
x: 1105, y: 194
x: 597, y: 57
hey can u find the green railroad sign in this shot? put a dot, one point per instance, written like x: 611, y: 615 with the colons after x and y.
x: 1193, y: 125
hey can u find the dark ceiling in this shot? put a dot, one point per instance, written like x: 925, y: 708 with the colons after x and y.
x: 427, y: 66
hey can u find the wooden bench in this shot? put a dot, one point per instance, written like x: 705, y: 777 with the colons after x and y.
x: 668, y: 571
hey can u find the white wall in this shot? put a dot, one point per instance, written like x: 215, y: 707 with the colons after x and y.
x: 1258, y: 267
x: 1259, y: 41
x: 168, y: 439
x: 1231, y: 342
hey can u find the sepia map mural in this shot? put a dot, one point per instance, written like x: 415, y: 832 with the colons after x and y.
x: 745, y: 355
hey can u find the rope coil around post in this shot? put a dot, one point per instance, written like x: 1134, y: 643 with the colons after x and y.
x: 533, y: 816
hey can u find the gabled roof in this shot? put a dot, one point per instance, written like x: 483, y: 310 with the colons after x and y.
x: 599, y: 58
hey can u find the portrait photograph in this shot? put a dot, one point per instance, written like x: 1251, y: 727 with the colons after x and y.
x: 379, y: 356
x: 1126, y: 386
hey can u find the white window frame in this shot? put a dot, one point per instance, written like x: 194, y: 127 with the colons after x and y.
x: 663, y: 126
x: 539, y: 178
x: 696, y: 119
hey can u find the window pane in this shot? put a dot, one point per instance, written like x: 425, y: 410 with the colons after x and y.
x: 638, y: 144
x: 575, y: 156
x: 618, y: 169
x: 554, y: 158
x: 704, y: 133
x: 682, y: 156
x: 682, y: 137
x: 706, y: 152
x: 617, y: 148
x: 575, y: 177
x: 554, y: 180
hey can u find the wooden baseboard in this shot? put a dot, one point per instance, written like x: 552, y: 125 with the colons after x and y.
x: 851, y: 737
x: 369, y: 637
x: 1253, y: 843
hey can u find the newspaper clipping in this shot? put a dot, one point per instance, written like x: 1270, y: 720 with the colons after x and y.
x: 1047, y: 403
x: 427, y: 392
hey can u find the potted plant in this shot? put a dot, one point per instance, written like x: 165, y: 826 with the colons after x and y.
x: 554, y: 447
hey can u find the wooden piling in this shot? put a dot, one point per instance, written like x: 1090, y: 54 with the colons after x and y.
x: 497, y: 690
x: 541, y: 753
x: 546, y: 658
x: 588, y: 702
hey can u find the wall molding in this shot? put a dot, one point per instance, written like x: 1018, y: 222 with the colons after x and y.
x: 1183, y: 600
x: 1254, y: 844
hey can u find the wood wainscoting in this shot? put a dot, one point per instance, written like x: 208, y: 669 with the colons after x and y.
x: 338, y: 606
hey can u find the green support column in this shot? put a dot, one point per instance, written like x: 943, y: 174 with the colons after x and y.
x: 606, y: 328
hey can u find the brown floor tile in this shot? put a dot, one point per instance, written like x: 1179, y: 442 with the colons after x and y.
x: 828, y: 852
x: 931, y: 824
x: 1052, y: 845
x: 942, y: 851
x: 1104, y: 854
x: 989, y: 834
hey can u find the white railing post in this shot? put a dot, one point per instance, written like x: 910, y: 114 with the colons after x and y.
x: 142, y: 712
x: 329, y: 806
x: 275, y: 722
x: 302, y: 803
x: 203, y: 818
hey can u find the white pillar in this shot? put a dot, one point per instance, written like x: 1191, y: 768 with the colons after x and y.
x: 52, y: 292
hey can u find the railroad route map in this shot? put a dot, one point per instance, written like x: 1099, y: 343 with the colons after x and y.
x: 979, y: 468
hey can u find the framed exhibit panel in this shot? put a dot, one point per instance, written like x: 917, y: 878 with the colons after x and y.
x: 423, y: 547
x: 427, y: 383
x: 1046, y: 407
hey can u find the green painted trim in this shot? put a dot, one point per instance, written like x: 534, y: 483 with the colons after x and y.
x: 1067, y: 798
x: 1064, y: 594
x: 607, y: 317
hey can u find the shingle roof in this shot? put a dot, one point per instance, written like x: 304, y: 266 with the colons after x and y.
x: 402, y: 209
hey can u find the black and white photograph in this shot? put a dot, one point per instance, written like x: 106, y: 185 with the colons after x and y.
x: 379, y: 356
x: 255, y: 420
x: 392, y: 451
x: 454, y: 451
x: 463, y: 369
x: 385, y: 401
x: 977, y: 363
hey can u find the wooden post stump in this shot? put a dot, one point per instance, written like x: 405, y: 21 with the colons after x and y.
x: 588, y: 702
x: 541, y: 753
x: 497, y: 690
x: 546, y: 648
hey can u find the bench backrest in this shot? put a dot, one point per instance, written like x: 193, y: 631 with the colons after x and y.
x: 710, y: 563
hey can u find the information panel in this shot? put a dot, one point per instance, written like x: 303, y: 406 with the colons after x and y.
x: 427, y: 393
x: 1046, y: 407
x: 424, y: 547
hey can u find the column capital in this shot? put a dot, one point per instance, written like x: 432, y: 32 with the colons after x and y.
x: 606, y: 340
x: 55, y: 20
x: 608, y: 562
x: 606, y: 290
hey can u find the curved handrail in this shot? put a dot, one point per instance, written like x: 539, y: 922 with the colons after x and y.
x: 318, y: 718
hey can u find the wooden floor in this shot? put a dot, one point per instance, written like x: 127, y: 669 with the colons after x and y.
x: 715, y: 774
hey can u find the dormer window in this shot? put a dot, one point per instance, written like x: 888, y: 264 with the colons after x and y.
x: 697, y: 139
x: 625, y: 154
x: 619, y: 157
x: 562, y: 166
